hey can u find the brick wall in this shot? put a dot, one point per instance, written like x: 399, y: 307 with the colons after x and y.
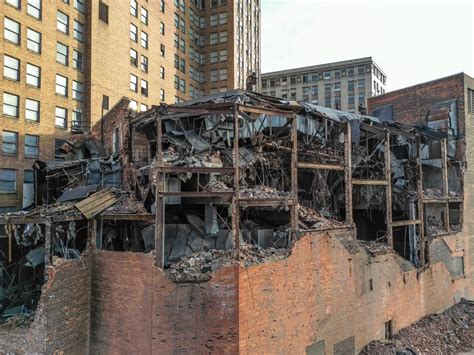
x: 62, y: 319
x: 137, y: 309
x: 322, y: 292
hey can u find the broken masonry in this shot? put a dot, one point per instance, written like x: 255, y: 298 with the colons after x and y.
x: 233, y: 177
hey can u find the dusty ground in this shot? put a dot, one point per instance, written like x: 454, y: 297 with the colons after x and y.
x: 449, y: 332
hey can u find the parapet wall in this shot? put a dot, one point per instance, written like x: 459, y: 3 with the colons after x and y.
x: 329, y: 292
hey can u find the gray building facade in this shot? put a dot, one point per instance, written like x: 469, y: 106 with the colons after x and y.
x: 341, y: 85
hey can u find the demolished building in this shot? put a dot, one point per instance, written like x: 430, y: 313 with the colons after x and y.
x: 233, y: 223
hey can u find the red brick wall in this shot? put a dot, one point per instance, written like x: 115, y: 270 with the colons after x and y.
x: 62, y: 319
x: 137, y: 309
x: 411, y: 104
x: 322, y: 292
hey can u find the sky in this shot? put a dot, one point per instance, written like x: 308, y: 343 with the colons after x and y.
x: 412, y: 41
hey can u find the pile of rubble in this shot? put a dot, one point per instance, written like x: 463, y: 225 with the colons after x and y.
x: 263, y: 192
x: 449, y: 332
x: 199, y: 267
x: 312, y: 219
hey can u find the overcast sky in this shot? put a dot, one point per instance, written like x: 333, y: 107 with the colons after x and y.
x: 411, y: 40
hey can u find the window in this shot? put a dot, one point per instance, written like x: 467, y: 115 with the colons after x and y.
x: 11, y: 104
x: 9, y: 143
x: 77, y: 119
x: 33, y: 40
x: 133, y: 83
x: 7, y: 180
x: 62, y: 22
x: 31, y: 146
x: 162, y: 72
x: 182, y: 85
x: 327, y: 88
x: 105, y: 102
x: 214, y: 75
x: 143, y: 107
x: 78, y: 31
x: 162, y: 95
x: 176, y: 82
x: 470, y: 100
x: 77, y: 90
x: 28, y: 177
x: 361, y: 70
x: 214, y: 38
x: 162, y: 50
x: 361, y: 99
x: 62, y: 53
x: 61, y: 85
x: 58, y: 153
x: 162, y: 6
x: 144, y: 87
x: 14, y: 3
x: 223, y: 55
x: 144, y: 39
x: 214, y: 20
x: 314, y: 91
x: 337, y: 74
x: 213, y: 57
x: 223, y: 74
x: 133, y: 33
x: 361, y: 83
x: 11, y: 30
x: 11, y: 68
x: 162, y: 28
x: 79, y: 5
x: 223, y: 36
x: 144, y: 64
x: 351, y: 101
x: 223, y: 18
x: 33, y: 75
x: 144, y: 16
x: 133, y: 105
x: 337, y: 86
x: 327, y: 75
x: 34, y: 8
x: 32, y: 110
x: 133, y: 57
x: 133, y: 8
x: 350, y: 86
x: 350, y: 71
x: 61, y: 117
x: 77, y: 60
x: 103, y: 12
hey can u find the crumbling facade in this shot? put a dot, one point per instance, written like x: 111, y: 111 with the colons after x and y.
x: 234, y: 223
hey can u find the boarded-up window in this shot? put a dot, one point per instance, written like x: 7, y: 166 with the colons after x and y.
x: 316, y: 348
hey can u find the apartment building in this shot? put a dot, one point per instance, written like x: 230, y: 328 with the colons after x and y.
x: 65, y: 63
x: 341, y: 85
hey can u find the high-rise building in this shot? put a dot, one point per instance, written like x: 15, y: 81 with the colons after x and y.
x: 342, y: 85
x: 66, y: 63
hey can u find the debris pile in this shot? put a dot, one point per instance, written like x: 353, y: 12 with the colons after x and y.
x: 312, y: 219
x: 199, y: 267
x: 449, y: 332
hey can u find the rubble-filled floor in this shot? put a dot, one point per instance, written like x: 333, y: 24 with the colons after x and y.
x: 449, y: 332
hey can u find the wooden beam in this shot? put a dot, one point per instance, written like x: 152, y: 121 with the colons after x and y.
x: 265, y: 111
x: 267, y: 202
x: 235, y: 207
x: 369, y: 182
x: 388, y: 188
x: 308, y: 165
x: 348, y: 173
x: 204, y: 170
x: 420, y: 201
x: 159, y: 200
x: 199, y: 193
x: 406, y: 223
x: 294, y: 174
